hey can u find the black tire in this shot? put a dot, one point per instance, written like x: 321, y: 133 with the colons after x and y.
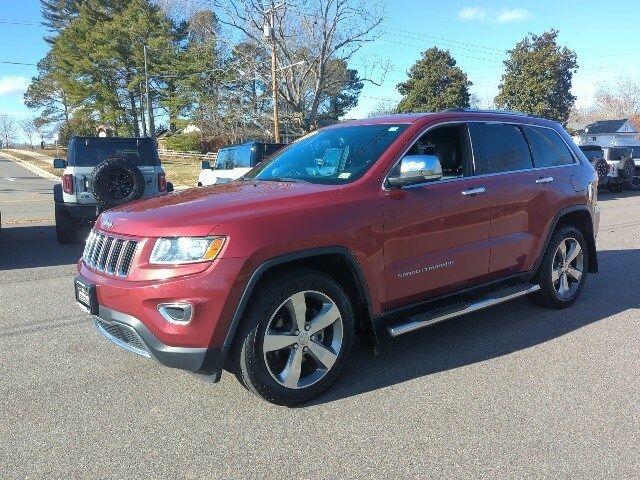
x: 602, y: 168
x: 116, y: 181
x: 65, y: 227
x: 616, y: 187
x: 626, y: 168
x: 548, y: 295
x: 634, y: 183
x: 249, y: 360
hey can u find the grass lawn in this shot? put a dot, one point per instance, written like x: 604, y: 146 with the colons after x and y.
x: 38, y: 163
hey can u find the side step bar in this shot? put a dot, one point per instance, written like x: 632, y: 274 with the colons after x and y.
x: 436, y: 316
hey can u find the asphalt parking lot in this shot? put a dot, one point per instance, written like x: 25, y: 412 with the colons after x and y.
x: 514, y: 391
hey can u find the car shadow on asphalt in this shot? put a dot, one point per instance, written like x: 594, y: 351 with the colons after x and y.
x: 605, y: 195
x: 36, y: 246
x: 497, y: 331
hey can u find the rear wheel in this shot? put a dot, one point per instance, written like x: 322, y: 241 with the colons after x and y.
x: 602, y: 168
x: 295, y: 338
x: 634, y: 183
x: 65, y: 227
x: 563, y: 270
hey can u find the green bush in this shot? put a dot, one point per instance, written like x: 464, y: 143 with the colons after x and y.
x: 184, y: 142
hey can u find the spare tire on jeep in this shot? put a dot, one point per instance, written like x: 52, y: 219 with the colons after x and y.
x: 602, y: 169
x: 115, y: 181
x: 626, y: 168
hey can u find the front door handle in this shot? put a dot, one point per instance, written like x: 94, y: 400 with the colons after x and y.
x: 544, y: 180
x: 474, y: 191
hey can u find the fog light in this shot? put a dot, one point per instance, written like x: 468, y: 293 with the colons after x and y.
x: 180, y: 313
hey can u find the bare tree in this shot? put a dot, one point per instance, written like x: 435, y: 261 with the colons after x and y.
x: 7, y: 129
x: 324, y: 34
x: 29, y: 129
x: 620, y: 101
x: 383, y: 107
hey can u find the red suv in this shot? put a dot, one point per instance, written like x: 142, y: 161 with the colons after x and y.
x: 380, y: 225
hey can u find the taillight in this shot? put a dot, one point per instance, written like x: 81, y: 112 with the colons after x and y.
x: 162, y: 182
x: 67, y: 183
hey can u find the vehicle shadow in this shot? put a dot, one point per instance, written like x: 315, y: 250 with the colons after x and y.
x: 36, y: 246
x: 604, y: 194
x: 491, y: 333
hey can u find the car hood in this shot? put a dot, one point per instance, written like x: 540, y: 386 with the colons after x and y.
x: 197, y: 211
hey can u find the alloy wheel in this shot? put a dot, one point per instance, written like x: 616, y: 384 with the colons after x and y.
x: 567, y: 268
x: 303, y: 339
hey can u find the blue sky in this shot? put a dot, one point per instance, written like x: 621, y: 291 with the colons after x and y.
x: 477, y: 33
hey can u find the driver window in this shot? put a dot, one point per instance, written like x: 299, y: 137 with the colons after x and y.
x: 451, y: 145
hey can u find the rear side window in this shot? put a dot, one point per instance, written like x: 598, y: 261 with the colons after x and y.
x: 235, y: 157
x: 506, y: 149
x: 549, y: 150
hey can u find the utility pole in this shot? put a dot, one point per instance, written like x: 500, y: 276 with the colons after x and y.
x: 270, y: 32
x: 152, y: 126
x: 142, y: 115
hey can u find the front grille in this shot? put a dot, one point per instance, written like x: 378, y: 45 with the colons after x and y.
x: 122, y: 335
x: 109, y: 254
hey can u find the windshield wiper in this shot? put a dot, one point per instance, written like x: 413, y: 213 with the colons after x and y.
x: 283, y: 179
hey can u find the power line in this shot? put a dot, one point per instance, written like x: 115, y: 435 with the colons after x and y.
x: 16, y: 63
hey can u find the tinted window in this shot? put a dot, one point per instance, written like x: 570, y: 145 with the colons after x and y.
x: 506, y: 149
x: 635, y: 152
x: 140, y: 153
x: 334, y: 156
x: 235, y: 157
x: 549, y: 150
x: 592, y: 154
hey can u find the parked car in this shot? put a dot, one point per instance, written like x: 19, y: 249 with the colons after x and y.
x: 100, y: 173
x: 621, y: 168
x: 634, y: 183
x: 595, y: 155
x: 380, y: 225
x: 234, y: 161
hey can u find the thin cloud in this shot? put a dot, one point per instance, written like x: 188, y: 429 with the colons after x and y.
x: 479, y: 14
x: 514, y: 15
x: 472, y: 13
x: 10, y: 85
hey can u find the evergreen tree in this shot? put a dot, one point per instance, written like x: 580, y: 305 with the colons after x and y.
x: 435, y: 83
x: 538, y: 78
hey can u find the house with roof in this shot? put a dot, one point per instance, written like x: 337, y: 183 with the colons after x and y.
x: 610, y: 133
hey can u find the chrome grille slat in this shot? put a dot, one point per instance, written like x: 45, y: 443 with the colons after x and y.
x: 109, y: 254
x: 104, y: 254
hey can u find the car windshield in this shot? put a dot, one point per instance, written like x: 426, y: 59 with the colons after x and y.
x: 333, y: 156
x: 234, y: 157
x: 134, y: 151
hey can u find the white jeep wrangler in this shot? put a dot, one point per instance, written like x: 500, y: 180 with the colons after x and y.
x: 100, y: 173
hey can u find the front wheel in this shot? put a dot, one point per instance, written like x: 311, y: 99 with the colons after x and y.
x: 634, y: 183
x: 295, y: 338
x: 563, y: 269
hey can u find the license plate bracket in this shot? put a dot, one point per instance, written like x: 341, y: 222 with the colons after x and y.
x: 86, y: 295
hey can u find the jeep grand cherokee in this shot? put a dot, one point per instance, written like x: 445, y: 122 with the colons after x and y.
x: 379, y: 225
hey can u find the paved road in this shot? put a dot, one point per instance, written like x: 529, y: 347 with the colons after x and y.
x: 513, y: 391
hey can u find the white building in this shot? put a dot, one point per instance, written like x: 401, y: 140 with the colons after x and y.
x: 610, y: 133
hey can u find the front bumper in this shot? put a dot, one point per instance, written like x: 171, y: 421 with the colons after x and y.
x: 131, y: 334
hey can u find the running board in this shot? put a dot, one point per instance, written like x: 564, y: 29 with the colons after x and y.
x: 429, y: 318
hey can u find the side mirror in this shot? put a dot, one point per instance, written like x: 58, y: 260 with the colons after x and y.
x: 205, y: 165
x: 169, y: 187
x: 416, y: 169
x: 59, y: 163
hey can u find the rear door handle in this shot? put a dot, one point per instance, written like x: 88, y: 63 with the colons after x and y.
x: 474, y: 191
x: 544, y: 180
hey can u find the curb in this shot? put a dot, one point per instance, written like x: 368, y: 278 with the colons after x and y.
x: 29, y: 166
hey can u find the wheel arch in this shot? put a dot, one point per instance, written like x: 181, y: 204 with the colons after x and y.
x: 336, y: 261
x: 578, y: 216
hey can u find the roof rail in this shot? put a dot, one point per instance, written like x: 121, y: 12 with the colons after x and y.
x: 479, y: 110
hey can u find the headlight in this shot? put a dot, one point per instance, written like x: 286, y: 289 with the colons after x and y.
x: 186, y: 249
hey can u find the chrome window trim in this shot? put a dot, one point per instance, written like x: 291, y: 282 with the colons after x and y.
x: 576, y: 160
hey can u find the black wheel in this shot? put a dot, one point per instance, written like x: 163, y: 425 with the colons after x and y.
x: 295, y: 338
x: 116, y: 181
x: 602, y: 168
x: 563, y: 270
x: 626, y: 168
x: 65, y: 227
x: 615, y: 187
x: 634, y: 183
